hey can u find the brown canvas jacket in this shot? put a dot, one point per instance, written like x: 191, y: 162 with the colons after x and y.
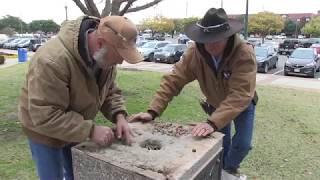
x: 230, y: 90
x: 61, y: 96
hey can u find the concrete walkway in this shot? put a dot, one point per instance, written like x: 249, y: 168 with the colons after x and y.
x: 9, y: 62
x: 262, y: 79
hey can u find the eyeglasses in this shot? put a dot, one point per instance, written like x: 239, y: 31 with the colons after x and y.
x: 216, y: 28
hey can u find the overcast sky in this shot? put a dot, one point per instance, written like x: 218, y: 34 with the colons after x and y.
x: 30, y: 10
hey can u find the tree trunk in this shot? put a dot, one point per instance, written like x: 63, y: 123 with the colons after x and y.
x: 92, y: 8
x: 111, y: 8
x: 107, y: 9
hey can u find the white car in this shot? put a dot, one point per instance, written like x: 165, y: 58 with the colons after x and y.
x: 273, y: 44
x: 149, y: 48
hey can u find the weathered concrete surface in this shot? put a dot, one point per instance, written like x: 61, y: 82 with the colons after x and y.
x: 160, y: 151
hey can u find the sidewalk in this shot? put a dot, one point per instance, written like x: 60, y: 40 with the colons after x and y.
x: 262, y: 79
x: 9, y: 62
x: 289, y: 81
x: 12, y: 61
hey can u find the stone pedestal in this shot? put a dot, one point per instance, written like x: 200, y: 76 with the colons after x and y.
x: 160, y: 152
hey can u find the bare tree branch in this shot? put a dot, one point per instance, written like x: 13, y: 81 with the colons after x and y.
x: 128, y: 5
x: 145, y: 6
x: 82, y: 7
x: 92, y: 8
x: 116, y: 4
x: 107, y: 9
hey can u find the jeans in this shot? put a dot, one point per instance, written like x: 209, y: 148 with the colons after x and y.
x: 52, y: 163
x: 237, y: 147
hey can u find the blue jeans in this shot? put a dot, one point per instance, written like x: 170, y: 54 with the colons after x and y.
x: 52, y: 163
x: 237, y: 147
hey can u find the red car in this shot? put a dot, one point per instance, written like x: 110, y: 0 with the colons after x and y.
x: 317, y: 47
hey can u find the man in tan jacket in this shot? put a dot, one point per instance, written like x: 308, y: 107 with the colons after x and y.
x: 69, y: 80
x: 225, y: 68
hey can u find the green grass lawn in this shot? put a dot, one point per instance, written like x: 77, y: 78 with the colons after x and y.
x: 287, y: 130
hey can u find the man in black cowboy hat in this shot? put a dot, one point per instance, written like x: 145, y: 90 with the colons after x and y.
x: 225, y: 68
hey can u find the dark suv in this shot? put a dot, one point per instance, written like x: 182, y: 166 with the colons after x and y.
x: 36, y: 43
x: 310, y: 41
x: 288, y: 46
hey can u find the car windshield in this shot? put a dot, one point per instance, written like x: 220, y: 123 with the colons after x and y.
x: 35, y: 41
x: 24, y: 41
x: 141, y: 43
x: 302, y: 54
x: 16, y: 40
x: 149, y: 45
x: 261, y: 52
x: 169, y: 48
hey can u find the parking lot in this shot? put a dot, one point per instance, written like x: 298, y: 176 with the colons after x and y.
x: 279, y: 69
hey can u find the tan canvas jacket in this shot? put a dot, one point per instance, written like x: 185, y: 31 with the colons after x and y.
x: 61, y: 96
x: 230, y: 90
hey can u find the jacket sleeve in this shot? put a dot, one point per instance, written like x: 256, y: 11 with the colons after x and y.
x: 242, y: 84
x: 114, y: 102
x: 49, y: 101
x: 172, y: 83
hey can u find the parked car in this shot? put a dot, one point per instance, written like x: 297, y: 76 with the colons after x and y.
x: 303, y: 61
x: 158, y: 37
x: 36, y: 43
x: 266, y: 58
x: 269, y: 37
x: 22, y: 44
x: 171, y: 53
x: 149, y: 48
x: 6, y: 41
x: 273, y: 44
x: 317, y: 47
x: 288, y: 46
x: 183, y: 39
x: 13, y: 43
x: 141, y: 43
x: 147, y: 35
x: 309, y: 42
x: 254, y: 41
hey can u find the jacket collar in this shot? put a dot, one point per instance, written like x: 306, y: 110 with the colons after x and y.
x: 226, y: 58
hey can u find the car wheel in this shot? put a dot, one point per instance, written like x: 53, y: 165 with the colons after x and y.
x: 318, y: 69
x: 151, y: 57
x: 265, y: 68
x: 171, y: 60
x: 285, y: 73
x: 313, y: 73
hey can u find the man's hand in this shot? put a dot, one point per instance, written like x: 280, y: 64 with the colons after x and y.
x: 123, y: 130
x: 102, y: 135
x: 202, y: 130
x: 142, y: 116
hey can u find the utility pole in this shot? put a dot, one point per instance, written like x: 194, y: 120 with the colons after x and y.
x: 187, y: 8
x: 246, y: 21
x: 221, y: 3
x: 66, y: 9
x: 297, y: 23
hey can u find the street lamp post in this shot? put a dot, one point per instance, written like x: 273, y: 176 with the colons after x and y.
x: 246, y: 21
x: 66, y: 9
x: 298, y: 20
x: 221, y: 3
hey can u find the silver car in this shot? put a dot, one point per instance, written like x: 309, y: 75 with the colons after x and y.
x: 149, y: 48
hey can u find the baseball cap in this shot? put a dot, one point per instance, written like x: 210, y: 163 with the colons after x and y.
x: 120, y: 32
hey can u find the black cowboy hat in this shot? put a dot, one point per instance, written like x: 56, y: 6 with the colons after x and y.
x: 213, y: 27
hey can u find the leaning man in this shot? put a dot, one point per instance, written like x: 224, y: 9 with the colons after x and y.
x: 70, y: 79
